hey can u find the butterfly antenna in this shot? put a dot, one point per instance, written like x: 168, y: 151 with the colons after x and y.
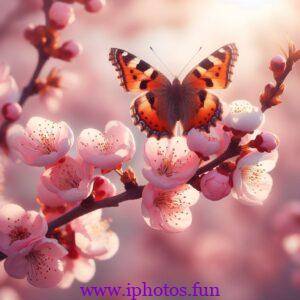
x: 185, y: 66
x: 161, y: 61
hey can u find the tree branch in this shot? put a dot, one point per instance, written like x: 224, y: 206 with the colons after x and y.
x: 28, y: 90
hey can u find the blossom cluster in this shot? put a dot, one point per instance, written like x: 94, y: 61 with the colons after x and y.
x: 234, y: 158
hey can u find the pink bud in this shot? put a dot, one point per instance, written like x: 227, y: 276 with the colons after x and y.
x: 94, y: 5
x: 215, y: 185
x: 69, y: 50
x: 12, y: 111
x: 61, y: 14
x: 277, y: 65
x: 265, y: 142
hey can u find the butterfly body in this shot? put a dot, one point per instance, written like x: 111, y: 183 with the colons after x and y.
x: 162, y: 104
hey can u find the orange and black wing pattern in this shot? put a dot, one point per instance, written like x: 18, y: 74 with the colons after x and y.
x: 149, y: 112
x: 135, y: 74
x: 215, y: 71
x: 200, y: 110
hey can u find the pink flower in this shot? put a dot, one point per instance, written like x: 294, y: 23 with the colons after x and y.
x: 169, y: 162
x: 243, y: 116
x: 265, y: 142
x: 251, y: 181
x: 94, y: 5
x: 215, y: 185
x: 107, y: 150
x: 207, y: 144
x: 93, y: 237
x: 12, y: 111
x: 42, y: 142
x: 48, y: 198
x: 61, y: 15
x: 70, y: 179
x: 103, y: 188
x: 168, y: 210
x: 19, y: 228
x: 40, y: 262
x: 82, y: 269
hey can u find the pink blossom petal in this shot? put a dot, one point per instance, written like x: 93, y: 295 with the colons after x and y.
x: 84, y: 269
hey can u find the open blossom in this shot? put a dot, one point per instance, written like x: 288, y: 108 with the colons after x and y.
x: 41, y: 142
x: 169, y: 162
x: 40, y: 262
x: 19, y: 228
x: 103, y: 188
x: 82, y: 269
x: 107, y: 150
x: 168, y: 210
x: 243, y: 116
x: 93, y: 236
x: 206, y: 144
x: 215, y: 185
x: 70, y: 179
x: 251, y: 181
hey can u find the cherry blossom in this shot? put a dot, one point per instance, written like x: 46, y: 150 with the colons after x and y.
x: 61, y: 15
x: 169, y: 162
x: 41, y: 142
x: 93, y: 236
x: 251, y: 181
x: 243, y: 116
x: 19, y: 228
x: 82, y: 269
x: 103, y: 188
x: 107, y: 150
x: 70, y: 179
x: 40, y: 262
x: 168, y: 210
x: 69, y: 50
x: 277, y: 65
x: 93, y: 6
x: 215, y: 185
x: 206, y: 144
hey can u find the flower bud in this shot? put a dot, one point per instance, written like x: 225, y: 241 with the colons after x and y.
x: 12, y: 111
x: 265, y: 142
x: 215, y: 185
x: 61, y: 15
x: 277, y: 65
x: 68, y: 50
x: 94, y: 6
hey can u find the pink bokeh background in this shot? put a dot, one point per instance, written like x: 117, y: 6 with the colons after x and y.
x: 228, y: 245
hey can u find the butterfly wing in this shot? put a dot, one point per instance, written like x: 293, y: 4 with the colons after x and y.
x: 199, y: 108
x: 153, y: 114
x: 152, y: 110
x: 135, y: 74
x: 215, y: 71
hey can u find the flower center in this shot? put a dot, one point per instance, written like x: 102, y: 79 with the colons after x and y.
x: 167, y: 167
x: 241, y: 107
x: 18, y: 233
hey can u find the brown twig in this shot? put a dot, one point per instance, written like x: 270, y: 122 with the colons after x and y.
x: 29, y: 89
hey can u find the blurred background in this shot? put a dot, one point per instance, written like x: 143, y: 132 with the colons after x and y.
x: 229, y: 245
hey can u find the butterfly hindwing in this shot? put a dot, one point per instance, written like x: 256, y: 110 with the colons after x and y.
x: 215, y: 71
x: 135, y: 74
x: 200, y: 110
x: 149, y: 112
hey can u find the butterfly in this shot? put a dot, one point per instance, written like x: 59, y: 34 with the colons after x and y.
x: 161, y: 104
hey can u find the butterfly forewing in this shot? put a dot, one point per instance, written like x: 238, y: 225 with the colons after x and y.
x: 215, y: 71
